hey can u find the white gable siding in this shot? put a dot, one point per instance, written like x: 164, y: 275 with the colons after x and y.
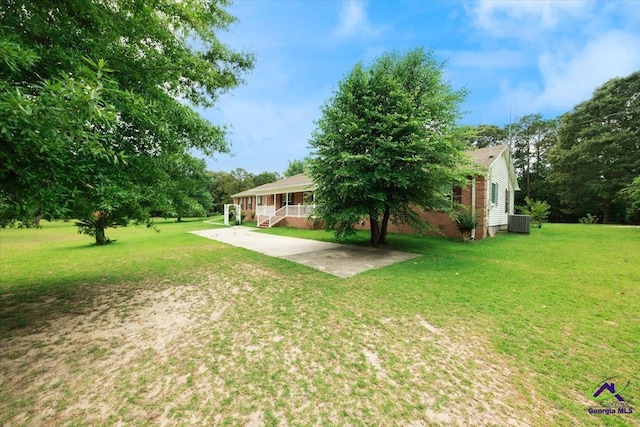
x: 499, y: 173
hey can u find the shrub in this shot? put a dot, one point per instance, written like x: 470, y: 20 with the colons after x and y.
x: 589, y: 219
x: 538, y: 210
x: 466, y: 221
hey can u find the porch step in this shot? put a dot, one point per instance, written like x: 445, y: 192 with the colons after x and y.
x: 274, y: 220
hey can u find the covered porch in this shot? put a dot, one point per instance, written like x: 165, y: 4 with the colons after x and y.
x: 271, y: 204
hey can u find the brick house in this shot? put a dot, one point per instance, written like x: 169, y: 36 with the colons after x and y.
x: 291, y: 200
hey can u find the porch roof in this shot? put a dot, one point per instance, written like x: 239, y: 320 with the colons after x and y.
x: 293, y: 184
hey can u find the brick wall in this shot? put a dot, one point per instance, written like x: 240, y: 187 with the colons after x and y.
x: 303, y: 223
x: 440, y: 222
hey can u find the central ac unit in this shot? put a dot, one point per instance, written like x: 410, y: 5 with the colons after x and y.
x: 519, y: 224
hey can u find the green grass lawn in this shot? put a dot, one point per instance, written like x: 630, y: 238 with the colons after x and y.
x: 173, y: 328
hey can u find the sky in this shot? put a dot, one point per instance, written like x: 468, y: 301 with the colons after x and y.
x: 514, y: 57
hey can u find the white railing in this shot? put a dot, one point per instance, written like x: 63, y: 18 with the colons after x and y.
x: 299, y: 211
x: 265, y: 210
x: 267, y: 215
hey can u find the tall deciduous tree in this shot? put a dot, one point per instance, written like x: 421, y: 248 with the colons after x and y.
x: 295, y: 167
x: 265, y: 178
x: 598, y: 151
x: 183, y: 189
x: 385, y: 144
x: 485, y: 135
x: 223, y: 184
x: 632, y: 194
x: 531, y: 137
x: 80, y: 144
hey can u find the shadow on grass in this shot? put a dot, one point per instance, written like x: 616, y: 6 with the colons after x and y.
x: 91, y: 245
x: 401, y: 242
x: 32, y: 306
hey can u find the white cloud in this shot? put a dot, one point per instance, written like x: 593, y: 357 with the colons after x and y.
x: 569, y: 80
x: 524, y: 18
x: 492, y: 60
x: 354, y: 20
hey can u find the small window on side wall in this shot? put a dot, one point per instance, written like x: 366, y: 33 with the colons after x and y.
x: 457, y: 194
x: 507, y: 201
x: 494, y: 193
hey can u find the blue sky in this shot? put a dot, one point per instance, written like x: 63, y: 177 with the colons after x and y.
x: 514, y: 57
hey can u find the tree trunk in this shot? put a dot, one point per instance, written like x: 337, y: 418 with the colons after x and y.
x: 379, y: 228
x: 375, y: 230
x: 383, y: 227
x: 101, y: 239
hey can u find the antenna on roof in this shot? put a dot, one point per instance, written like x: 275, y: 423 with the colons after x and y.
x: 510, y: 127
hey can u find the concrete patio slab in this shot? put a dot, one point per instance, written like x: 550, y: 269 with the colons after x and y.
x: 333, y: 258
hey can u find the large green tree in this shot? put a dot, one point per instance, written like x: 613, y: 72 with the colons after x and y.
x: 481, y: 136
x: 597, y: 154
x: 223, y: 184
x: 531, y: 138
x: 295, y: 167
x: 265, y: 178
x: 632, y: 194
x: 80, y: 138
x: 183, y: 189
x: 386, y: 144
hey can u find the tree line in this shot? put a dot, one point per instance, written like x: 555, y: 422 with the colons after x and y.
x: 98, y: 119
x: 585, y: 163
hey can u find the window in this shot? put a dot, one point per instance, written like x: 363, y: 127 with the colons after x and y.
x: 506, y: 201
x: 494, y: 193
x: 289, y: 198
x: 249, y: 202
x: 456, y: 195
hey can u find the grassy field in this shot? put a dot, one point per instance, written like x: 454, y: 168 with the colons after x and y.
x: 170, y: 328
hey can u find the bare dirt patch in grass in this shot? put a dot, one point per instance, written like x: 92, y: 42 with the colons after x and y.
x: 253, y: 347
x: 70, y: 368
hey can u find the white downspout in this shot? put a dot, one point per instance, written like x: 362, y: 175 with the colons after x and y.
x: 488, y: 201
x: 473, y: 204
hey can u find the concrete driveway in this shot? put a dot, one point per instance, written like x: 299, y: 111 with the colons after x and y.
x: 333, y: 258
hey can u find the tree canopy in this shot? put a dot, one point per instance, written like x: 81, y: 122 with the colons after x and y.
x: 295, y: 167
x: 93, y: 94
x: 386, y: 143
x: 531, y: 138
x: 597, y: 155
x: 481, y: 136
x: 223, y: 184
